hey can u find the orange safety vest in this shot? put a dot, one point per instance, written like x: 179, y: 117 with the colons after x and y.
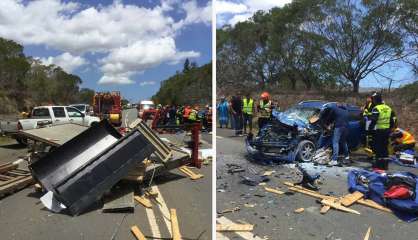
x: 406, y: 138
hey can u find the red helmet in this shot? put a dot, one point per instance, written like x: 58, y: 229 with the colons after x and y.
x: 265, y: 95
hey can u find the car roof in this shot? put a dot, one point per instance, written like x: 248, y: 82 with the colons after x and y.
x: 320, y: 104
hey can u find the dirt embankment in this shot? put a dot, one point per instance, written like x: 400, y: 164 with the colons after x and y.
x: 406, y: 111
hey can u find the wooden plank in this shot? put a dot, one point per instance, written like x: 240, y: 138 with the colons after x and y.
x: 351, y: 198
x: 325, y: 209
x: 190, y: 173
x: 373, y: 204
x: 5, y: 177
x: 299, y: 210
x: 7, y: 167
x: 144, y: 201
x: 311, y: 193
x: 367, y: 236
x: 272, y: 190
x: 7, y: 182
x: 234, y: 227
x: 137, y: 233
x: 12, y: 187
x: 175, y: 231
x: 338, y: 206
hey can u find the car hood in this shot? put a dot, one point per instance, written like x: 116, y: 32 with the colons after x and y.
x: 289, y: 120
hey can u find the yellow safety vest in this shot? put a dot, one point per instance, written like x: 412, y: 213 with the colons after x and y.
x: 367, y: 110
x: 383, y: 122
x: 193, y: 115
x: 247, y: 106
x: 263, y: 109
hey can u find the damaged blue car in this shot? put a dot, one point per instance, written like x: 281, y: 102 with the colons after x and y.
x: 291, y: 136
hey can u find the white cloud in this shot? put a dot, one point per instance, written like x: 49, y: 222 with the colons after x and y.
x: 145, y: 83
x: 232, y: 12
x: 66, y: 61
x: 230, y: 7
x: 114, y: 30
x: 124, y: 62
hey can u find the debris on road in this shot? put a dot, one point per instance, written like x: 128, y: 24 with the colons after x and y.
x: 13, y: 178
x: 272, y: 190
x: 299, y: 210
x: 144, y: 201
x: 234, y: 227
x: 137, y: 233
x: 254, y: 180
x: 192, y: 175
x: 120, y: 200
x: 229, y: 210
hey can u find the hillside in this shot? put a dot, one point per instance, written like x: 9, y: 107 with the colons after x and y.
x: 191, y: 86
x: 26, y: 82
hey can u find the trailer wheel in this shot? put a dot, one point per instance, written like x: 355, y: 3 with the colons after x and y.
x: 305, y: 151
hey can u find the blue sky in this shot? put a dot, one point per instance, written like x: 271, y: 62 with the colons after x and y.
x: 125, y: 45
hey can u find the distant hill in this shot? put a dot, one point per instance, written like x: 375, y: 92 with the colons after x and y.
x: 191, y: 86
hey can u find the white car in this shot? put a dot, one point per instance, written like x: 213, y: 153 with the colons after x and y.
x: 54, y: 115
x: 84, y: 108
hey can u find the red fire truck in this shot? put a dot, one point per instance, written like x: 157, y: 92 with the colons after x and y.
x: 108, y: 105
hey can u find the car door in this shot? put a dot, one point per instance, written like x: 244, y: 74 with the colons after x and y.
x: 59, y: 115
x: 75, y: 116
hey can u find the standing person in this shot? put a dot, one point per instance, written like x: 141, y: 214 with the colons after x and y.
x: 193, y: 116
x: 248, y: 110
x: 236, y: 108
x: 367, y: 112
x: 223, y: 111
x: 383, y: 119
x: 334, y: 119
x: 186, y: 114
x: 264, y: 110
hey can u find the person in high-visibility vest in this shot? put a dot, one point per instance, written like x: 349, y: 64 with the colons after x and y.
x: 264, y: 110
x: 383, y: 119
x: 193, y: 115
x: 367, y: 112
x: 248, y: 110
x: 186, y: 114
x: 402, y: 140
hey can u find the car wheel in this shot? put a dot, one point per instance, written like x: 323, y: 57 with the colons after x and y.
x: 306, y: 150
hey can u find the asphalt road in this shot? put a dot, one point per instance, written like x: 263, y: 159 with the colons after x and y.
x: 22, y: 215
x: 273, y: 215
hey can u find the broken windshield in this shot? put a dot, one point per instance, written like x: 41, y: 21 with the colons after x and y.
x: 301, y: 113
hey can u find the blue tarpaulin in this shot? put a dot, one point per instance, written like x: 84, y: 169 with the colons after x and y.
x: 405, y: 209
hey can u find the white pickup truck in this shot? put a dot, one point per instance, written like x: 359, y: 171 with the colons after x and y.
x: 54, y: 115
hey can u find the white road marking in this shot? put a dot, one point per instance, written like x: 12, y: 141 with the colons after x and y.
x: 220, y: 137
x: 163, y: 208
x: 153, y: 223
x: 245, y: 235
x: 220, y: 236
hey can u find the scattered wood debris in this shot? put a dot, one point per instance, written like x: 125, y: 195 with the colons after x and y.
x: 272, y: 190
x: 229, y: 210
x: 337, y: 205
x: 234, y: 227
x: 351, y: 198
x: 190, y: 173
x: 137, y: 233
x: 268, y: 173
x: 299, y: 210
x: 144, y: 201
x: 13, y: 179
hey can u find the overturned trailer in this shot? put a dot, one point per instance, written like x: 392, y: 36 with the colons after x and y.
x: 80, y: 171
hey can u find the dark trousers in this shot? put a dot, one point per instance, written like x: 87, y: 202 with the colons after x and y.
x: 261, y: 122
x: 238, y: 123
x: 248, y: 120
x: 380, y: 148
